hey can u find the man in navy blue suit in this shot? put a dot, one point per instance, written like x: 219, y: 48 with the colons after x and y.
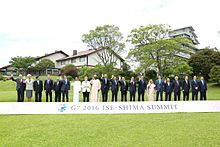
x: 202, y: 88
x: 124, y: 89
x: 159, y: 88
x: 38, y: 87
x: 104, y: 87
x: 186, y: 88
x: 141, y: 88
x: 57, y: 88
x: 65, y: 89
x: 20, y: 87
x: 114, y: 88
x: 168, y: 88
x: 48, y: 87
x: 195, y: 88
x: 176, y: 89
x: 132, y: 89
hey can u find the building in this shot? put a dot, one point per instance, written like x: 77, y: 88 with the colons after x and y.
x: 188, y: 32
x: 60, y: 58
x: 87, y: 58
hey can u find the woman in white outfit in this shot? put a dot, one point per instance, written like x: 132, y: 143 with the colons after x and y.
x: 29, y: 87
x: 151, y: 89
x: 76, y: 89
x: 86, y: 85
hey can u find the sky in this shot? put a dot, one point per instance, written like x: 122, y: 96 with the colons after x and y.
x: 36, y: 27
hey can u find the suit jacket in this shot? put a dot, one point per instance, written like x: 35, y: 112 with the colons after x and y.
x: 57, y: 86
x: 124, y: 86
x: 168, y: 88
x: 65, y: 85
x: 186, y: 86
x: 141, y: 86
x: 176, y: 86
x: 202, y: 86
x: 194, y: 85
x: 48, y: 86
x: 38, y: 87
x: 132, y: 86
x: 105, y: 84
x: 159, y: 85
x: 114, y: 86
x: 20, y: 85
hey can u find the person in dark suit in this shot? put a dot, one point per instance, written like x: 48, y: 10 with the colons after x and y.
x: 202, y: 89
x: 124, y: 89
x: 141, y: 88
x: 65, y: 89
x: 195, y: 88
x: 159, y: 88
x: 176, y: 89
x: 132, y: 89
x: 48, y: 87
x: 168, y: 90
x: 186, y: 88
x: 114, y: 88
x: 57, y: 88
x: 105, y: 82
x: 38, y: 87
x: 20, y: 87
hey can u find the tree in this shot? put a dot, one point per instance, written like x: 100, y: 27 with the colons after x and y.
x: 45, y: 64
x: 108, y: 38
x: 215, y: 74
x: 69, y: 70
x: 152, y: 47
x: 203, y: 61
x: 22, y: 63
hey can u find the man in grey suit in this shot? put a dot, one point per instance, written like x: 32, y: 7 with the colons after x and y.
x: 20, y: 87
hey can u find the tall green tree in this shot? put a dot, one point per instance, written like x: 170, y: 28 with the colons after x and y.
x: 203, y: 61
x: 107, y: 37
x: 215, y: 74
x: 45, y: 64
x: 22, y: 63
x: 153, y: 47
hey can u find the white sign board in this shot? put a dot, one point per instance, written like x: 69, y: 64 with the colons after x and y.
x: 109, y: 107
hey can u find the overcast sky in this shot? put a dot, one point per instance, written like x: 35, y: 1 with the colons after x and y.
x: 36, y: 27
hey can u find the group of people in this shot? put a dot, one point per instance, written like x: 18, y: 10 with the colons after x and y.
x: 62, y: 85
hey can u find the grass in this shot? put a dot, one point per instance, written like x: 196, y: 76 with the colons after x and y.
x: 179, y: 129
x: 174, y: 129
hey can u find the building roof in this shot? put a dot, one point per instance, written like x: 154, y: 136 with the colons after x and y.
x: 6, y: 66
x: 86, y: 53
x: 60, y: 51
x: 189, y: 27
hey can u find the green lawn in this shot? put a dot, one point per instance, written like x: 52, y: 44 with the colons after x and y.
x: 174, y: 129
x: 179, y: 129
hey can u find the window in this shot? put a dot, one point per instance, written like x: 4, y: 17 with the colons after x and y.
x: 82, y: 59
x: 63, y: 62
x: 73, y: 60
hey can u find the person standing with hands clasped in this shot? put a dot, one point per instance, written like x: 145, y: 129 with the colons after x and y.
x: 38, y: 87
x: 151, y: 88
x: 86, y: 89
x: 48, y: 87
x: 29, y: 87
x: 76, y: 89
x: 195, y: 88
x: 132, y: 89
x: 202, y: 89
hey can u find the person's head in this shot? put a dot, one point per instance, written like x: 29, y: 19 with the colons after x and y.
x: 168, y: 79
x: 20, y: 76
x: 86, y: 78
x: 29, y: 76
x: 176, y: 78
x: 115, y: 78
x: 48, y: 76
x: 76, y: 79
x: 159, y: 77
x: 95, y: 77
x: 194, y: 77
x: 201, y: 78
x: 123, y: 78
x: 151, y: 81
x: 58, y: 78
x: 186, y: 77
x: 142, y: 77
x: 105, y: 76
x: 64, y: 77
x: 37, y: 77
